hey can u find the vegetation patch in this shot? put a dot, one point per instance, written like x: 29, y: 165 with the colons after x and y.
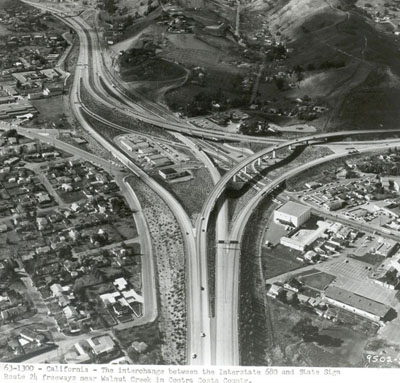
x: 143, y: 65
x: 169, y: 254
x: 143, y: 343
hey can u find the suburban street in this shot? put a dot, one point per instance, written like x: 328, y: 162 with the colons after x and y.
x: 211, y: 339
x: 148, y: 273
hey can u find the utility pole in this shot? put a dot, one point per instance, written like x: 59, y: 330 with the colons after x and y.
x: 110, y: 163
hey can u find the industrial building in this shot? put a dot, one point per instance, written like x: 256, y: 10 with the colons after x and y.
x: 16, y: 109
x: 356, y: 304
x: 292, y: 213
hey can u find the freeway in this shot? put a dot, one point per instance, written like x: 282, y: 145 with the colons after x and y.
x: 115, y: 98
x: 220, y: 352
x: 198, y: 318
x: 195, y: 318
x: 219, y: 349
x: 94, y: 75
x: 194, y: 287
x: 220, y: 187
x: 221, y: 231
x: 229, y: 309
x: 214, y: 196
x: 198, y: 306
x: 194, y: 296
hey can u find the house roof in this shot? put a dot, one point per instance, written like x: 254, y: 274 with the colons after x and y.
x: 101, y: 344
x: 120, y: 283
x: 56, y: 288
x: 70, y: 312
x: 357, y: 301
x: 275, y: 289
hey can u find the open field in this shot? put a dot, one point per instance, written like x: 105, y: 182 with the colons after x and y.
x: 207, y: 51
x: 280, y: 260
x: 288, y: 349
x: 50, y: 112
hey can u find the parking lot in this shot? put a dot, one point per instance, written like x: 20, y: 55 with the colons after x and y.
x: 353, y: 275
x: 274, y: 233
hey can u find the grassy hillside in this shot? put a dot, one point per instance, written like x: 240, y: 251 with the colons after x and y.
x: 287, y: 16
x: 349, y: 59
x: 11, y: 4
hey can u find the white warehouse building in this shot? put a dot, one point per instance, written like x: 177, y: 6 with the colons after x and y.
x: 292, y: 213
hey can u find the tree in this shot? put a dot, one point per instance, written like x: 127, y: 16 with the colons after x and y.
x: 305, y: 330
x: 280, y: 82
x: 282, y: 295
x: 110, y: 7
x: 129, y: 20
x: 11, y: 133
x: 310, y: 67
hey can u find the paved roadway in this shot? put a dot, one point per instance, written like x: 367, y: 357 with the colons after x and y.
x: 93, y: 61
x: 221, y: 230
x: 226, y: 334
x: 194, y: 294
x: 96, y: 66
x: 229, y: 309
x: 60, y: 65
x: 148, y: 271
x: 237, y: 24
x: 195, y: 319
x: 197, y: 289
x: 220, y: 350
x: 220, y: 187
x: 149, y: 277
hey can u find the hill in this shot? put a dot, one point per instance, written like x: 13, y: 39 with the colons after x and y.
x: 346, y: 56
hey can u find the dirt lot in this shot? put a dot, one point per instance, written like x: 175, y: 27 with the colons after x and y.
x: 316, y: 279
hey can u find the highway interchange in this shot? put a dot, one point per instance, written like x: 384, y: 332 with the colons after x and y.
x: 211, y: 340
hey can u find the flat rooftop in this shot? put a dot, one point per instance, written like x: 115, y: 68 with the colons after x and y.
x: 294, y: 209
x: 357, y: 301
